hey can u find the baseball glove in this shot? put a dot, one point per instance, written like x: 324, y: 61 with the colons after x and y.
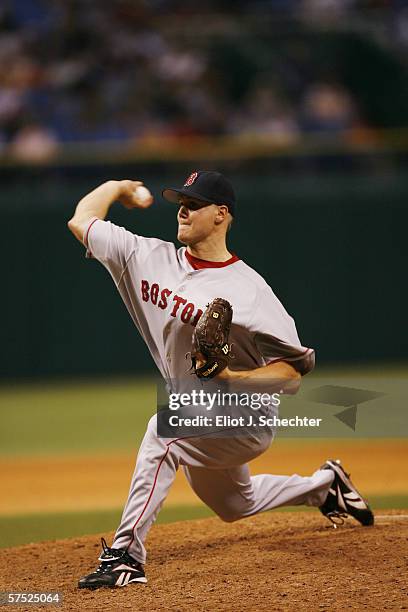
x: 211, y: 351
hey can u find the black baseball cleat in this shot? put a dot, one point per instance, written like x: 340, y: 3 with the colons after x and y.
x: 117, y: 569
x: 343, y: 498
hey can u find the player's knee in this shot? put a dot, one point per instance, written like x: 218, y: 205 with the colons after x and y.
x: 228, y: 516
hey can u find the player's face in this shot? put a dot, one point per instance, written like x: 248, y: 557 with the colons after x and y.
x: 196, y: 220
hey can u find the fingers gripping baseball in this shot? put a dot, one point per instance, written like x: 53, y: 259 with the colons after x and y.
x: 133, y: 194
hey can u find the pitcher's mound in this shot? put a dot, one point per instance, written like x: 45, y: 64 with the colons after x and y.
x: 274, y: 561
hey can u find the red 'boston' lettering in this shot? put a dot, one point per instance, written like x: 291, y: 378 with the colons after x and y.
x: 198, y: 315
x: 145, y: 290
x: 154, y: 293
x: 178, y: 300
x: 165, y: 293
x: 187, y: 312
x: 161, y: 300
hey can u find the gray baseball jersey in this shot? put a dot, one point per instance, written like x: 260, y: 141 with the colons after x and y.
x: 166, y: 292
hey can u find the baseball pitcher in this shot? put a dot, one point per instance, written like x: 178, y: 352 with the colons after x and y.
x: 200, y: 300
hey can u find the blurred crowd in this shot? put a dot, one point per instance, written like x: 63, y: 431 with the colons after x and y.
x: 141, y: 71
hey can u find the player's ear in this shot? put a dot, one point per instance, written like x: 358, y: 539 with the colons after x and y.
x: 222, y: 214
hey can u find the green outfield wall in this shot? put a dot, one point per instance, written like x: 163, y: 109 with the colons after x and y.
x: 332, y: 247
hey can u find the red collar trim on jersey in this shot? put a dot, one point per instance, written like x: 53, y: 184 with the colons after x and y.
x: 198, y: 264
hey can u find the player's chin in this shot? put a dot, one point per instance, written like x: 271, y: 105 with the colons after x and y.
x: 183, y: 235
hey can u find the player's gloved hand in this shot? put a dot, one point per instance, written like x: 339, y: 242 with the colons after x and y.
x: 224, y: 374
x: 211, y: 351
x: 133, y: 194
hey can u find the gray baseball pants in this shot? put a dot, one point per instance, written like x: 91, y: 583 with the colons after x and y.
x: 217, y: 471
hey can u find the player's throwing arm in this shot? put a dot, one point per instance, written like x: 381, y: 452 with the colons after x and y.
x: 96, y: 204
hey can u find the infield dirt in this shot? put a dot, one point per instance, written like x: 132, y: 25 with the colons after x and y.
x: 274, y: 561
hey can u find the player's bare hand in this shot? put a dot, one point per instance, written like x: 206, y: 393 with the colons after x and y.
x: 133, y: 194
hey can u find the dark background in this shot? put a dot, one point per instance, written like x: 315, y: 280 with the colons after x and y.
x: 332, y: 248
x: 303, y: 104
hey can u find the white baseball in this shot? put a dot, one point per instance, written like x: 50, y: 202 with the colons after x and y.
x: 142, y: 194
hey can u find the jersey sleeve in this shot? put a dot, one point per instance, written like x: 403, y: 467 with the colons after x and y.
x: 113, y: 245
x: 275, y: 334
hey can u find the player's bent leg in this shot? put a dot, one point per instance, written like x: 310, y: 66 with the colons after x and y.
x: 234, y: 494
x: 272, y: 491
x: 228, y: 492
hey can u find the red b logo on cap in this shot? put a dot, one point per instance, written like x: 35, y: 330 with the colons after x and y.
x: 191, y: 179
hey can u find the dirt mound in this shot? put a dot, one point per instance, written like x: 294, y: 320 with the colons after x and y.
x: 274, y: 561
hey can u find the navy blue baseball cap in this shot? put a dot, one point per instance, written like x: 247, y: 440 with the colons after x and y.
x: 207, y: 186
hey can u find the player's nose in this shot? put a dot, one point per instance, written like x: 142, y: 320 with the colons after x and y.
x: 183, y: 212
